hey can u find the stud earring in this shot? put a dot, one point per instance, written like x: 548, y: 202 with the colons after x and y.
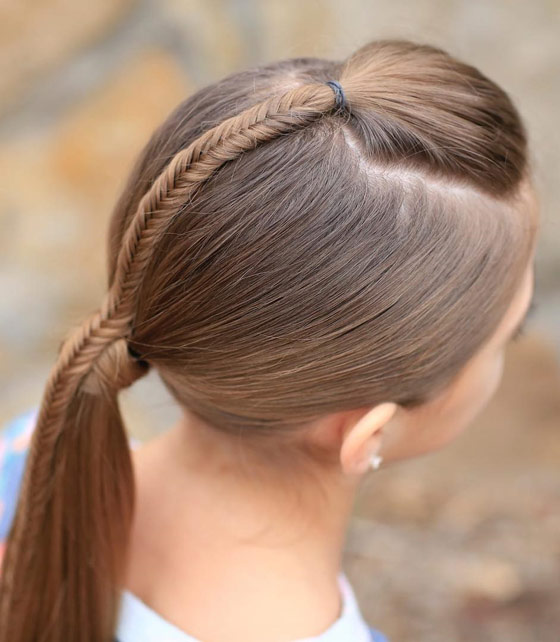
x: 375, y: 461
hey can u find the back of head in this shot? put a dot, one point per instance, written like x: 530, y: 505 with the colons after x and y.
x: 276, y: 259
x: 389, y: 236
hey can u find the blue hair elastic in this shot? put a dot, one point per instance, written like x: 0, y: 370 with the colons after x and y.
x: 340, y: 103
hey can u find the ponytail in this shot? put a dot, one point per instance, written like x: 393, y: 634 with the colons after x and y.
x: 67, y: 547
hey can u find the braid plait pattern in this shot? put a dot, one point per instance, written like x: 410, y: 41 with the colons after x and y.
x: 113, y: 321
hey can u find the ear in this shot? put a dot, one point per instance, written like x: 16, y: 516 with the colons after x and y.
x: 364, y: 438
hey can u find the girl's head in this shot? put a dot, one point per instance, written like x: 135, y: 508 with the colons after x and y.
x: 291, y: 270
x: 336, y: 260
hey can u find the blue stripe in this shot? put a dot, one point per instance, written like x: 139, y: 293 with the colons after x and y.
x: 377, y: 636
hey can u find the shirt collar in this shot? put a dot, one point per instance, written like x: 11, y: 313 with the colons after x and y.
x: 139, y: 623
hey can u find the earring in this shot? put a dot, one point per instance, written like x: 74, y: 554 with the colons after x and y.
x: 375, y: 461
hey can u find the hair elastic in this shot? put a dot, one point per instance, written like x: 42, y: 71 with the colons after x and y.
x: 137, y: 356
x: 132, y: 352
x: 340, y: 103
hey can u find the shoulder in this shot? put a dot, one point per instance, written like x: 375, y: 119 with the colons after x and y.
x: 377, y: 636
x: 15, y: 437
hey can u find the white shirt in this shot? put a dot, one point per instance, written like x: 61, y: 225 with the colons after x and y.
x: 139, y: 623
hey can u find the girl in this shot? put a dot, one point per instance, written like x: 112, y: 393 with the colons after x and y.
x: 324, y: 262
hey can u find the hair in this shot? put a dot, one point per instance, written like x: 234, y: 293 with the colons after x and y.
x: 275, y: 259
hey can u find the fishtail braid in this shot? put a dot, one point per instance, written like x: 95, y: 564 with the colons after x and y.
x: 94, y: 358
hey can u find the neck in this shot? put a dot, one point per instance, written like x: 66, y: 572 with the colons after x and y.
x: 206, y: 541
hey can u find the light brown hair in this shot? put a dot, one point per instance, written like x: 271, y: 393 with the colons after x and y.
x: 275, y: 260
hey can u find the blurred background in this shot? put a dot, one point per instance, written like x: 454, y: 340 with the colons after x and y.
x: 463, y: 544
